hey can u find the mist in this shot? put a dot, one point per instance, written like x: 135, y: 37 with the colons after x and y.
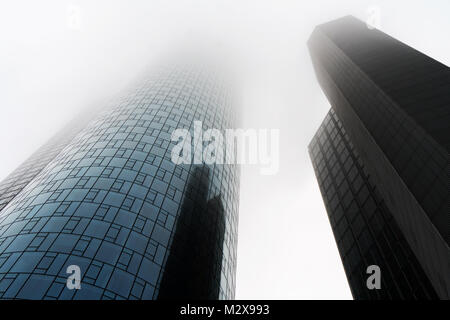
x: 60, y: 58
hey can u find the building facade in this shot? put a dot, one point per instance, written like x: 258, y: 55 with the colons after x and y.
x: 393, y: 102
x: 112, y: 203
x: 365, y: 229
x: 20, y: 177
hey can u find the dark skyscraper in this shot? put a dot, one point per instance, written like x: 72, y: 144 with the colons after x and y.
x: 105, y: 196
x: 382, y: 159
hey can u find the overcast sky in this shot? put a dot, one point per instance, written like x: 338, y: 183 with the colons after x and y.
x: 60, y: 57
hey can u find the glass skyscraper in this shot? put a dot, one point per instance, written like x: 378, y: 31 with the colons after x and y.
x: 365, y: 230
x: 382, y: 159
x: 105, y: 196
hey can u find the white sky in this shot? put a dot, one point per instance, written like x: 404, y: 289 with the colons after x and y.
x: 50, y: 71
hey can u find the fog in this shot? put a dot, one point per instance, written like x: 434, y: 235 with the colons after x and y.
x: 58, y: 58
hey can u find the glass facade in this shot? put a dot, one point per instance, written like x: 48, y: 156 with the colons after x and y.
x: 392, y: 102
x: 19, y: 178
x: 365, y: 230
x: 113, y: 203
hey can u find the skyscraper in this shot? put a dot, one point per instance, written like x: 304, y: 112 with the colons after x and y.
x: 110, y: 200
x: 19, y: 178
x: 382, y: 159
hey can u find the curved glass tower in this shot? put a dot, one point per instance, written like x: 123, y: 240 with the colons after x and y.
x: 112, y: 203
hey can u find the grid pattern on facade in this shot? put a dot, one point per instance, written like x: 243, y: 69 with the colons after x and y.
x: 365, y: 230
x: 19, y: 178
x: 417, y: 83
x: 419, y: 158
x: 111, y: 201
